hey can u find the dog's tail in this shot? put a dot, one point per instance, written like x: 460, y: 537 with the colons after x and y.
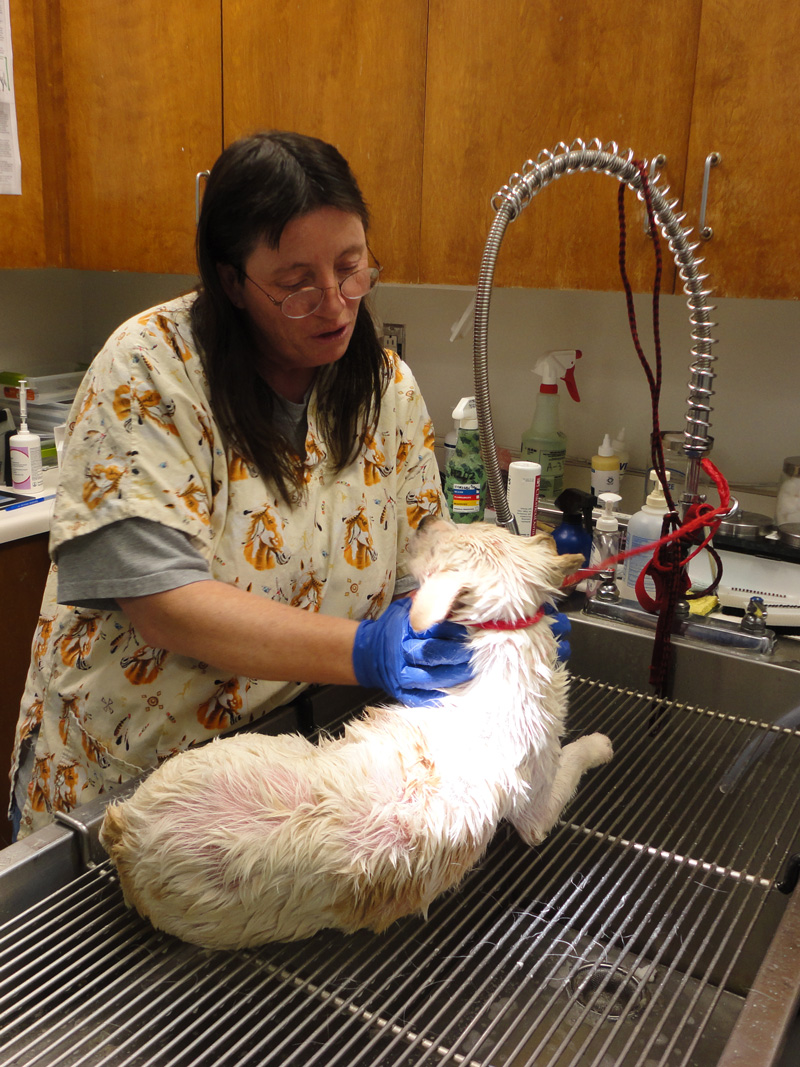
x: 113, y: 829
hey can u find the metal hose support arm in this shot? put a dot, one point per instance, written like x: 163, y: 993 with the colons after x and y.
x: 508, y: 203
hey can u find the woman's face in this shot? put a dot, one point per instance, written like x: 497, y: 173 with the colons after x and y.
x: 318, y: 249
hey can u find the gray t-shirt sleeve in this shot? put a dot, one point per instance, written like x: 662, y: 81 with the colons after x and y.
x: 132, y: 557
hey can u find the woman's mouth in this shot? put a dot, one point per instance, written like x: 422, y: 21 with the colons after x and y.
x: 333, y: 335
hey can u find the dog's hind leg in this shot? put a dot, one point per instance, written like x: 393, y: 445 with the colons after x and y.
x: 535, y: 818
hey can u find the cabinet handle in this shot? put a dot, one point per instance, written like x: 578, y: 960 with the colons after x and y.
x: 712, y: 160
x: 197, y: 177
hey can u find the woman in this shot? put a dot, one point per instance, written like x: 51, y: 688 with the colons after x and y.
x: 244, y: 470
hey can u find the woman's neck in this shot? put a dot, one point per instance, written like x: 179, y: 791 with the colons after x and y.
x: 293, y: 386
x: 296, y: 389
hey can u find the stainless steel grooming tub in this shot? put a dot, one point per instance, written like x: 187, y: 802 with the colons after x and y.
x: 648, y: 929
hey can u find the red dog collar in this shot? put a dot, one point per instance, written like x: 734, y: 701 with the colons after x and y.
x: 501, y: 624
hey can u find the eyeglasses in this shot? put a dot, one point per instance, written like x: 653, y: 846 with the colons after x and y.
x: 306, y: 301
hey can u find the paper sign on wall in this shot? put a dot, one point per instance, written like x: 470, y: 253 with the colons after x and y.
x: 10, y: 167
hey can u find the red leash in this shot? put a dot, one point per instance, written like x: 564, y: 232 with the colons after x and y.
x: 699, y: 515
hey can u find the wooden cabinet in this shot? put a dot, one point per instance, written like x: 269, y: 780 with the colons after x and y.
x: 435, y: 103
x: 141, y: 107
x: 746, y: 107
x: 22, y: 229
x: 23, y: 571
x: 684, y: 79
x: 351, y: 73
x: 510, y: 79
x: 136, y: 104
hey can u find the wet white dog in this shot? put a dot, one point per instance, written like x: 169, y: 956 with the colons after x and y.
x: 255, y: 838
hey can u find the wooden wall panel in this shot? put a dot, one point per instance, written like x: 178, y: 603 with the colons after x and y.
x: 351, y: 73
x: 509, y: 79
x: 143, y: 114
x: 746, y: 107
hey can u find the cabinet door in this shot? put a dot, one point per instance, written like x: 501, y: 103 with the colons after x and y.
x: 351, y: 73
x: 746, y: 107
x: 22, y: 232
x: 508, y: 79
x: 142, y: 115
x: 23, y: 571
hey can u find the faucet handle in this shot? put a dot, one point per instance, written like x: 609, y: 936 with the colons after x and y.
x: 755, y: 616
x: 608, y: 589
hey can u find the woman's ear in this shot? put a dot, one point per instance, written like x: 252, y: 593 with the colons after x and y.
x: 230, y: 280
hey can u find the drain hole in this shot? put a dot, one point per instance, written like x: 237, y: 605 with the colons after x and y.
x: 601, y: 989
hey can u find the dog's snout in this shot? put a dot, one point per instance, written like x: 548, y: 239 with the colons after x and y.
x: 428, y: 528
x: 426, y: 522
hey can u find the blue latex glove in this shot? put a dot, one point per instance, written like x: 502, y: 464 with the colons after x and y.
x: 410, y: 666
x: 561, y: 626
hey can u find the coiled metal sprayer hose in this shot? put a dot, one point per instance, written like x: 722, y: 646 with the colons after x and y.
x: 508, y: 203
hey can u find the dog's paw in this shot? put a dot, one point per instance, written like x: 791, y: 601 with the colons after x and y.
x: 531, y: 835
x: 598, y: 749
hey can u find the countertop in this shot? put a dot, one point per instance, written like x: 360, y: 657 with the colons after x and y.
x: 31, y: 519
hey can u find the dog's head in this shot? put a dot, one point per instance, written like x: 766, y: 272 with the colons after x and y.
x: 477, y: 572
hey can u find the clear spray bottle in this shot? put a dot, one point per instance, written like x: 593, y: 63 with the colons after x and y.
x: 544, y: 442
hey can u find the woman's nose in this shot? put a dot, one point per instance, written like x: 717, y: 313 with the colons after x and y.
x: 332, y: 300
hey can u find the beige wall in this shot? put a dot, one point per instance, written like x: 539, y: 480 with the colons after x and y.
x: 62, y: 316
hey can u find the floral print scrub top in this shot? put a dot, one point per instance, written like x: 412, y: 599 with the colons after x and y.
x: 102, y: 705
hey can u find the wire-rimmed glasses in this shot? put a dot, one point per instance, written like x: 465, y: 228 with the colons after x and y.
x: 306, y: 301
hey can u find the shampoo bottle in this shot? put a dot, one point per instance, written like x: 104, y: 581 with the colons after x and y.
x: 25, y: 449
x: 523, y: 494
x: 605, y: 469
x: 643, y: 528
x: 543, y: 442
x: 465, y: 475
x: 620, y: 449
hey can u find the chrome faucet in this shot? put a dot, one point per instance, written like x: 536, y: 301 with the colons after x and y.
x: 508, y: 203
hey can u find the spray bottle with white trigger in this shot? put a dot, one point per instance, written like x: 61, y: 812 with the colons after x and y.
x: 465, y: 482
x: 543, y: 442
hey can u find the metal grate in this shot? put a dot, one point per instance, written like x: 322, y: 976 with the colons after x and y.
x: 628, y: 938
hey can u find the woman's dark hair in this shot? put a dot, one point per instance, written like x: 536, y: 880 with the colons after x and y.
x: 257, y: 186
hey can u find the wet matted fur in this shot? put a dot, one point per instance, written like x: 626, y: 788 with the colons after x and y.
x: 255, y: 838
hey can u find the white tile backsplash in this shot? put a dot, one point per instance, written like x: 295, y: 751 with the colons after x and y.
x: 756, y: 416
x: 62, y: 316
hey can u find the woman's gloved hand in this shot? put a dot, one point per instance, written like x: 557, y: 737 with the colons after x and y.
x: 410, y: 666
x: 561, y: 626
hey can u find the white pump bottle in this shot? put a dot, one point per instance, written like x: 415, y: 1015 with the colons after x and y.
x: 25, y: 449
x: 643, y: 528
x: 605, y: 542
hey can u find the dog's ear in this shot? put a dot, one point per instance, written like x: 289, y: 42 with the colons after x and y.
x: 560, y: 566
x: 433, y: 600
x: 567, y: 564
x: 543, y: 540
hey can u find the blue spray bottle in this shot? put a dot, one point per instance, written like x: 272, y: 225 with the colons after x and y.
x: 574, y: 532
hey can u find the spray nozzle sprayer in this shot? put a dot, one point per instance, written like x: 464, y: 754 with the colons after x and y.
x: 559, y: 366
x: 466, y: 413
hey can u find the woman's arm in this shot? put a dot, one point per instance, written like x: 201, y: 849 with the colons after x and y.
x: 244, y: 634
x: 248, y: 635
